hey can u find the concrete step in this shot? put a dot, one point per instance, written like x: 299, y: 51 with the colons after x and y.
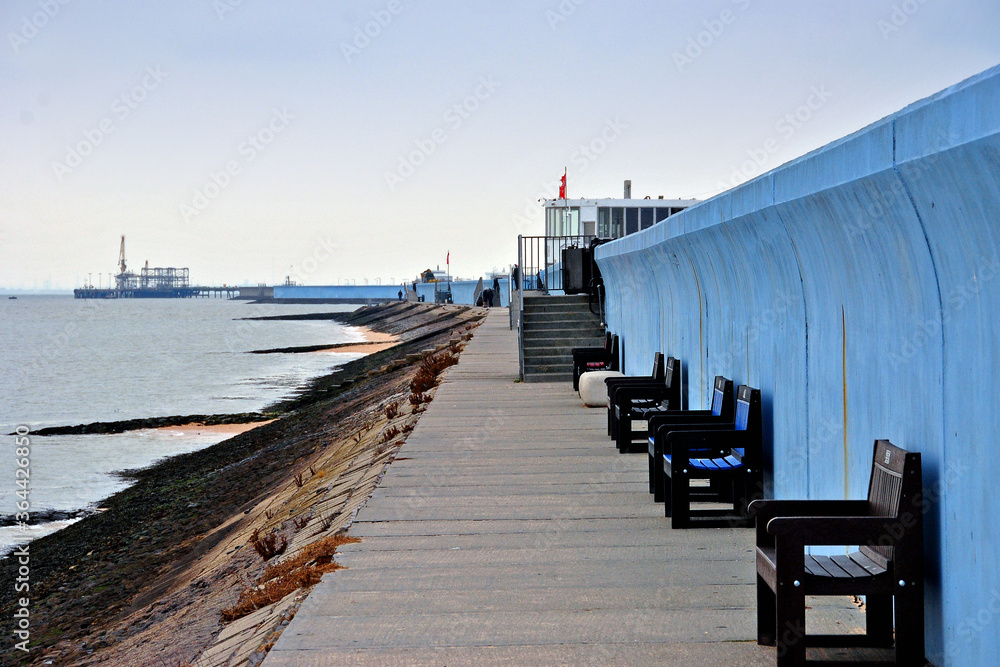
x: 571, y: 315
x: 564, y: 348
x: 548, y: 377
x: 557, y: 308
x: 556, y: 299
x: 548, y: 368
x: 547, y: 360
x: 566, y: 339
x: 569, y: 325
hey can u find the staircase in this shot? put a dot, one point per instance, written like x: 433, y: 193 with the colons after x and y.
x: 554, y: 325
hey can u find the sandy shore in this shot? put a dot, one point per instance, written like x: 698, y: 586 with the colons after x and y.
x: 195, y: 428
x: 374, y: 341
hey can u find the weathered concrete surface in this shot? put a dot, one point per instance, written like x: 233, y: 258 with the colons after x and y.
x: 509, y: 531
x: 857, y: 287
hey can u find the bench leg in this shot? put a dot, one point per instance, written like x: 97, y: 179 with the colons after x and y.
x: 625, y: 431
x: 659, y: 483
x: 790, y: 626
x: 668, y: 505
x: 652, y: 472
x: 744, y: 488
x: 679, y: 497
x: 765, y: 613
x: 878, y: 619
x: 910, y: 627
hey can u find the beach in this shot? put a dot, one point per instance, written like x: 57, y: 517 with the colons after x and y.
x: 149, y: 578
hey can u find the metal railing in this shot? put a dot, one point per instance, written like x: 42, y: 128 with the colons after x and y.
x: 540, y: 259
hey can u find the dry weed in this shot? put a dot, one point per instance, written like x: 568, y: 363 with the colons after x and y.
x: 267, y: 547
x: 302, y: 570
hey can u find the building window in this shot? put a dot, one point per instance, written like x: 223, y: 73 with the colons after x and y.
x: 631, y: 221
x: 604, y: 223
x: 617, y: 222
x: 663, y: 213
x: 562, y: 221
x: 647, y: 217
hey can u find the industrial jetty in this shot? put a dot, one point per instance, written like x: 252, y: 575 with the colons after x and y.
x: 153, y: 283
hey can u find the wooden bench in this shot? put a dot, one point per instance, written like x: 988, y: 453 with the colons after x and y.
x: 729, y: 459
x: 595, y: 358
x: 721, y: 415
x: 887, y: 568
x: 655, y: 377
x: 625, y: 402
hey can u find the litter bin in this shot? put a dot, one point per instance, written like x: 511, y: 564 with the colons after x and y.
x: 576, y: 269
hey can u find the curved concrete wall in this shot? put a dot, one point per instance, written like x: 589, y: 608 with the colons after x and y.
x: 374, y: 292
x: 858, y: 288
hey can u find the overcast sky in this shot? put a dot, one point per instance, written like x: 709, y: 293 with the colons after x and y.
x: 249, y: 140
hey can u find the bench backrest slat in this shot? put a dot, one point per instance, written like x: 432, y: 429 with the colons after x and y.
x: 658, y: 369
x: 722, y: 397
x: 894, y: 490
x: 746, y: 418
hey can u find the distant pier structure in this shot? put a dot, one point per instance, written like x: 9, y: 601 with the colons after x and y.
x: 153, y: 283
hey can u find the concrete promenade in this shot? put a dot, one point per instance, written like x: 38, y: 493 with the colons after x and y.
x: 510, y: 531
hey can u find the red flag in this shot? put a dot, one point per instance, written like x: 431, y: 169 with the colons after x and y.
x: 562, y: 186
x: 447, y: 259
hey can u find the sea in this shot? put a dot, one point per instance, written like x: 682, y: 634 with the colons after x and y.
x: 66, y: 361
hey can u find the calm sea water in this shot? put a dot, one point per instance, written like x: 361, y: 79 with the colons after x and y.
x: 69, y: 361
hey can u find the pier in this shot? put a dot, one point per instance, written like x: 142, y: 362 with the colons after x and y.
x: 186, y: 292
x: 509, y: 531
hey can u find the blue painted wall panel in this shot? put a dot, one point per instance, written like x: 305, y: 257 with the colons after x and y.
x: 858, y: 287
x: 462, y: 291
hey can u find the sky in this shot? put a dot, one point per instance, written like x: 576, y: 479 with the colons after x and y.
x: 365, y: 140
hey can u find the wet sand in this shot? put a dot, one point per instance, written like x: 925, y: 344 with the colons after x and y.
x: 195, y: 428
x: 374, y: 341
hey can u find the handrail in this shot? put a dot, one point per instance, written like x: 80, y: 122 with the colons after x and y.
x: 520, y: 306
x: 540, y: 259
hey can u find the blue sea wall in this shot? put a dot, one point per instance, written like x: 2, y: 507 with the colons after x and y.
x: 859, y: 288
x: 462, y: 291
x: 373, y: 292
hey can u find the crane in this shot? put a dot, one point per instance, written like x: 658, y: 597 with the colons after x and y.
x: 121, y: 257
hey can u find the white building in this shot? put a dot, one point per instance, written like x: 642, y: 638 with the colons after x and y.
x: 608, y: 218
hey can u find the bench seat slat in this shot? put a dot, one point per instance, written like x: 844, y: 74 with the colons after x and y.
x: 727, y: 463
x: 873, y: 568
x: 850, y: 566
x: 814, y: 568
x: 827, y: 567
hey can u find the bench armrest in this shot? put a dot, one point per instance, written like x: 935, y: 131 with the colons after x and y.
x: 681, y: 417
x: 765, y: 510
x: 841, y: 530
x: 636, y: 380
x: 630, y: 393
x: 705, y: 437
x: 663, y: 430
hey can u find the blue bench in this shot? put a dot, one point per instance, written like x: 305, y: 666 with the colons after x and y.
x: 721, y: 415
x: 655, y: 377
x: 626, y: 403
x: 729, y: 459
x: 887, y: 568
